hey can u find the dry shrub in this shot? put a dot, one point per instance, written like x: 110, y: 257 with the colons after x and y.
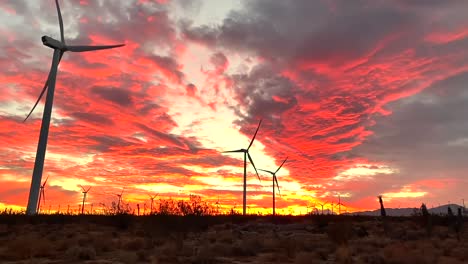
x: 343, y: 255
x: 448, y: 260
x: 340, y: 233
x: 81, y: 253
x: 133, y: 244
x: 306, y: 258
x: 241, y: 249
x: 225, y: 236
x: 271, y: 244
x: 289, y: 246
x: 205, y: 255
x: 127, y: 257
x: 448, y: 246
x: 222, y: 249
x: 402, y: 253
x: 324, y: 252
x: 103, y: 245
x: 460, y: 253
x: 26, y: 247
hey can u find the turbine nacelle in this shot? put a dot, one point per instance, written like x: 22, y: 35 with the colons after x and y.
x: 53, y: 43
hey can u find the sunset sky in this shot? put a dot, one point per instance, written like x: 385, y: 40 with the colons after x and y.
x: 365, y: 98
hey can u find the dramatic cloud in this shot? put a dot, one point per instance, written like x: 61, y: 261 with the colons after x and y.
x: 364, y: 97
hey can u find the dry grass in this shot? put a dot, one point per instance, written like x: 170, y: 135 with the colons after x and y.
x: 290, y: 240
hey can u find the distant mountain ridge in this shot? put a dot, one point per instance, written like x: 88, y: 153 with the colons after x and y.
x: 443, y: 209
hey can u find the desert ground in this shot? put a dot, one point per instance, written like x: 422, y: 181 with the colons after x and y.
x: 230, y: 239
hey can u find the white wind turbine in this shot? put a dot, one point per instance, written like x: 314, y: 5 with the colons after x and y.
x: 275, y: 180
x: 42, y: 194
x: 59, y: 48
x: 246, y: 155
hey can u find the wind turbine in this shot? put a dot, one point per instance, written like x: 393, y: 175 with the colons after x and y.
x: 322, y: 205
x: 247, y: 155
x: 42, y: 194
x: 59, y: 48
x: 152, y: 197
x: 275, y: 180
x: 120, y: 199
x: 339, y: 204
x: 85, y: 192
x: 217, y: 206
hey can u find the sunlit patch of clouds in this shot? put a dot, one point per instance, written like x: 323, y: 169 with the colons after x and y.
x: 405, y: 192
x: 66, y: 161
x: 459, y: 142
x: 364, y: 171
x: 69, y: 184
x: 10, y: 177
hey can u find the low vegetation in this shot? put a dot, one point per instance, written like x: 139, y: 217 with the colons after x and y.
x: 194, y: 238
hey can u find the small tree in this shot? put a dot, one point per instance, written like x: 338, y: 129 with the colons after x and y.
x: 427, y: 220
x: 382, y: 208
x: 383, y: 214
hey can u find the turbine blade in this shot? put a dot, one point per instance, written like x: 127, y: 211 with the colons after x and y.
x: 45, y: 181
x: 253, y: 164
x: 89, y: 188
x: 266, y: 171
x: 256, y: 131
x: 62, y: 37
x: 277, y: 185
x: 234, y: 151
x: 43, y: 195
x: 42, y: 93
x: 281, y: 165
x: 91, y: 48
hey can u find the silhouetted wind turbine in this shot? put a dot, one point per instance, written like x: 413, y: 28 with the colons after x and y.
x: 85, y: 192
x: 217, y: 206
x: 322, y: 205
x: 120, y: 199
x: 152, y: 200
x: 59, y: 48
x: 275, y: 180
x: 247, y: 155
x: 42, y: 194
x: 339, y: 204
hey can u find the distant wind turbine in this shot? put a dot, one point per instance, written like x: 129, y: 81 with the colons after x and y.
x: 59, y: 48
x: 247, y: 155
x: 339, y: 204
x: 322, y: 205
x: 85, y: 192
x: 152, y: 200
x: 42, y: 194
x: 120, y: 200
x: 275, y: 180
x: 217, y: 206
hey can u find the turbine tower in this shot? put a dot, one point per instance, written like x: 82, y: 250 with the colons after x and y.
x: 247, y: 155
x: 59, y: 48
x: 275, y: 180
x: 85, y: 192
x: 42, y: 194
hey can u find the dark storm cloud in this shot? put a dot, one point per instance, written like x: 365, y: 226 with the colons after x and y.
x: 333, y: 68
x: 119, y: 96
x: 94, y: 118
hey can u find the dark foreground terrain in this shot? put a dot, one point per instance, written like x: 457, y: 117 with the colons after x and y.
x: 230, y: 239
